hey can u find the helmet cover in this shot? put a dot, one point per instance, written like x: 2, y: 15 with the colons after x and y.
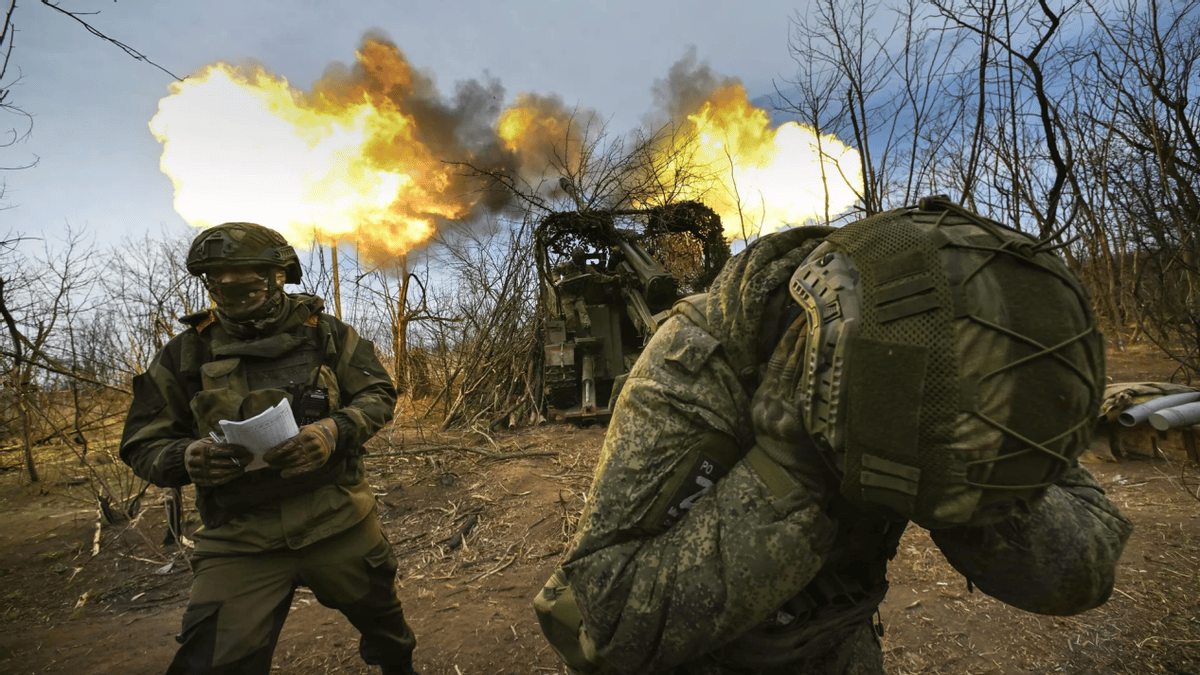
x: 242, y: 244
x: 954, y: 366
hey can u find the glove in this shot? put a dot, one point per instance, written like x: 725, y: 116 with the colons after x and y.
x: 776, y: 414
x: 210, y: 463
x: 306, y: 451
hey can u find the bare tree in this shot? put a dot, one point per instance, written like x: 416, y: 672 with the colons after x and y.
x: 16, y: 383
x: 845, y: 68
x: 489, y: 357
x: 56, y: 294
x: 149, y: 287
x: 1141, y: 62
x: 22, y: 128
x: 1074, y: 122
x: 400, y: 292
x: 587, y: 168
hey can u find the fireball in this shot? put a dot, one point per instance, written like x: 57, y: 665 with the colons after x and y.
x: 345, y: 162
x: 372, y: 155
x: 762, y: 178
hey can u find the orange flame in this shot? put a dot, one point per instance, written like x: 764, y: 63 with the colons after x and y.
x: 363, y: 156
x: 757, y: 177
x: 762, y: 179
x: 344, y: 162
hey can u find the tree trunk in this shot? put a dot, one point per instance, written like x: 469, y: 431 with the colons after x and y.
x: 400, y: 330
x: 18, y: 385
x: 78, y: 437
x: 337, y: 286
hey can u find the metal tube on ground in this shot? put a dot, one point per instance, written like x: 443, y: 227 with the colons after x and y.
x: 1140, y: 413
x: 1179, y: 416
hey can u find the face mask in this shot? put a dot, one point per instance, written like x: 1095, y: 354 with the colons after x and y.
x: 241, y: 299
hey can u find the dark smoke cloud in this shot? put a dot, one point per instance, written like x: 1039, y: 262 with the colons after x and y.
x: 462, y: 128
x: 556, y: 132
x: 456, y: 129
x: 688, y: 85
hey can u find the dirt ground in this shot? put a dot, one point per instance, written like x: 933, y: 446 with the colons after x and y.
x: 65, y: 610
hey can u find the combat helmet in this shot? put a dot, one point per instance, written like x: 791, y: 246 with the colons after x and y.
x: 242, y: 244
x: 954, y: 368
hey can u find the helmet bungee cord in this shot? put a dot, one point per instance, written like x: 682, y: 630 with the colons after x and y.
x: 953, y: 366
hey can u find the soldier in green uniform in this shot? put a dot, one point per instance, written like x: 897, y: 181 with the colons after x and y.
x: 308, y: 518
x: 778, y: 434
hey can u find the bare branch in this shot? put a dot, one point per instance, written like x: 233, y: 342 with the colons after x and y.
x: 120, y: 45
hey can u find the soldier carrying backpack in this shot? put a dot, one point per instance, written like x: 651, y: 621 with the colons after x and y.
x: 780, y: 432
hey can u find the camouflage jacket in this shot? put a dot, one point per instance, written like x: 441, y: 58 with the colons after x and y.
x: 179, y: 399
x: 697, y: 596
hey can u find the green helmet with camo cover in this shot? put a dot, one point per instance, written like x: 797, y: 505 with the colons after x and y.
x: 242, y: 245
x: 954, y: 368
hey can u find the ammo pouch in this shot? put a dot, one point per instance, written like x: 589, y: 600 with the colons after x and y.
x: 562, y: 624
x: 220, y: 504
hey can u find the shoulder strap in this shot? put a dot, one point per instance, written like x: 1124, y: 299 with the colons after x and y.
x: 326, y: 336
x: 194, y: 351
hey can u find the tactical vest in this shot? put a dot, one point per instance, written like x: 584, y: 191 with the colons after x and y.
x: 243, y: 379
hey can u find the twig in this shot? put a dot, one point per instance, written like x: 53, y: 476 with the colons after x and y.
x: 68, y: 373
x: 457, y: 539
x: 496, y: 456
x: 412, y: 538
x: 492, y: 571
x: 1124, y: 593
x: 104, y: 488
x: 160, y: 563
x: 507, y: 411
x: 121, y: 45
x: 96, y: 537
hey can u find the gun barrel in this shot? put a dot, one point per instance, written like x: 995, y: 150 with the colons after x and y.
x: 641, y: 261
x: 1179, y: 416
x: 1140, y: 413
x: 656, y: 282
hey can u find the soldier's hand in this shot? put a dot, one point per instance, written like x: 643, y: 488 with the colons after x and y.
x: 777, y: 415
x: 306, y: 451
x: 775, y: 410
x: 211, y: 463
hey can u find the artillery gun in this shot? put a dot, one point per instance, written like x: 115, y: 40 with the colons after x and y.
x: 607, y: 279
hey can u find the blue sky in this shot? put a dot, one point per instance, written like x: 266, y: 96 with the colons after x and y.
x: 98, y: 163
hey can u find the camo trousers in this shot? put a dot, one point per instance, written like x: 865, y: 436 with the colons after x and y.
x: 239, y: 602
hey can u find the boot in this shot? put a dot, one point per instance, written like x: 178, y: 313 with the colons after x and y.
x: 399, y: 669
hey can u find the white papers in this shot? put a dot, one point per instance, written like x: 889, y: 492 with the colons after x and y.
x: 262, y: 432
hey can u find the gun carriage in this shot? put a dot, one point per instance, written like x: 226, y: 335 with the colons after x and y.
x: 607, y: 279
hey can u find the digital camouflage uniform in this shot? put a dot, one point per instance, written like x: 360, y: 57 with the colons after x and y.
x: 753, y: 575
x: 264, y: 535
